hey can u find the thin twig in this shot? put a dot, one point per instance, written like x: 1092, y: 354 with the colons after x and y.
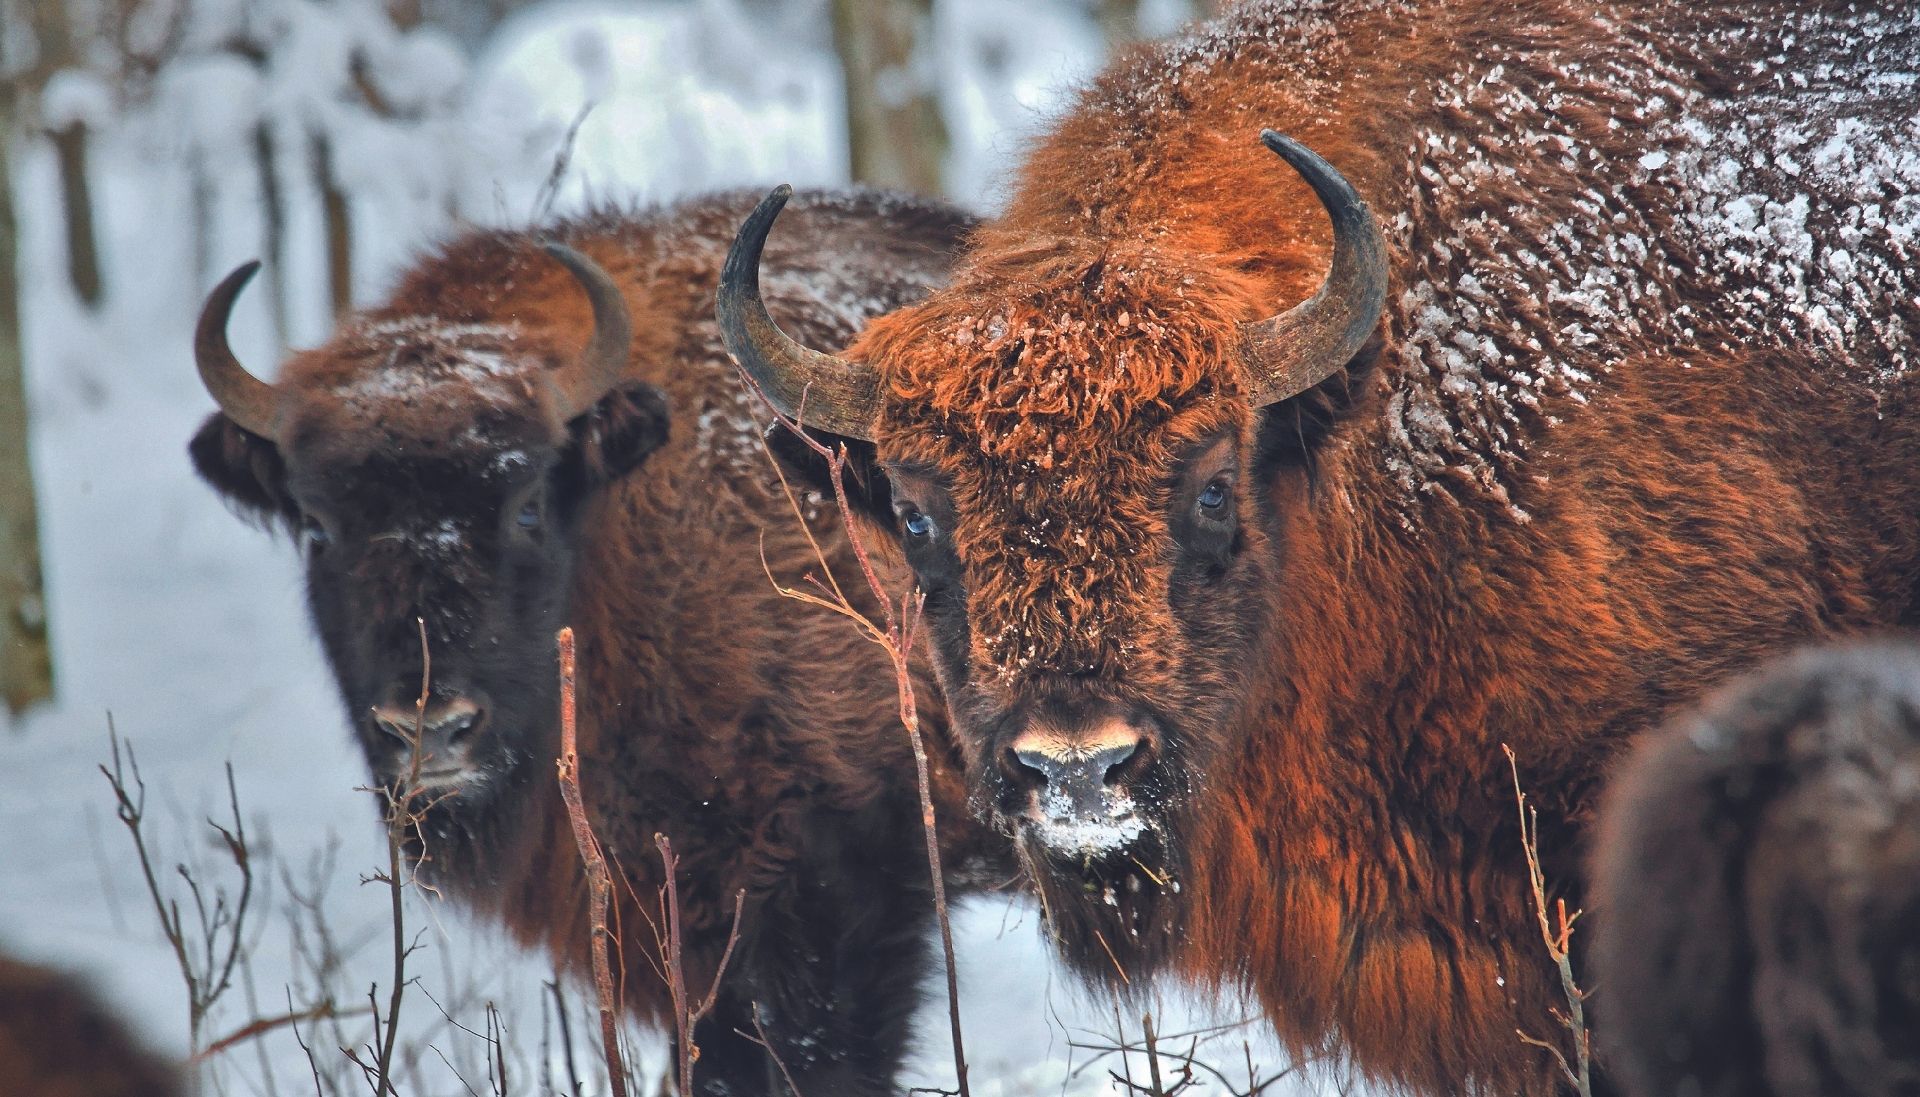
x: 763, y: 1041
x: 599, y: 886
x: 687, y: 1016
x: 1559, y: 942
x: 896, y: 637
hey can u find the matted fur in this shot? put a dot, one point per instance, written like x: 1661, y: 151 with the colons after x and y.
x: 760, y: 736
x: 1622, y: 434
x: 1758, y: 877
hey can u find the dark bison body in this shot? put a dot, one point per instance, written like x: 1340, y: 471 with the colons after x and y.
x: 57, y: 1041
x: 1758, y: 873
x: 508, y: 445
x: 1236, y: 592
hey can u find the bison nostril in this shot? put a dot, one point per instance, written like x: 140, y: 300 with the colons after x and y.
x: 1116, y: 762
x: 1030, y: 766
x: 438, y: 725
x: 457, y: 725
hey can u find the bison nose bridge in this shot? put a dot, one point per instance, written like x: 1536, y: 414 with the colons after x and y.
x: 1072, y: 771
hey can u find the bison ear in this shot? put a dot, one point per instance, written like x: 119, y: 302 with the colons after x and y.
x: 868, y: 492
x: 244, y: 468
x: 1292, y: 432
x: 620, y: 431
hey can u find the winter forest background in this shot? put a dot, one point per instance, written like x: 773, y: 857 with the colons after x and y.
x: 148, y: 146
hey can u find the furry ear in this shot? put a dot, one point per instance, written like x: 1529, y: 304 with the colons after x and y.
x: 244, y: 468
x: 621, y: 431
x: 868, y: 492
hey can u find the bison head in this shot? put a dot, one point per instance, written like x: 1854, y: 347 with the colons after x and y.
x: 1070, y: 441
x: 435, y: 473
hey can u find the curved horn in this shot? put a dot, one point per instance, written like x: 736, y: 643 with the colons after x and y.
x: 1296, y: 350
x: 838, y: 395
x: 242, y: 397
x: 600, y: 366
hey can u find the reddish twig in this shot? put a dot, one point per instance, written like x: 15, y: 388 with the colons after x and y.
x: 599, y: 885
x: 263, y: 1025
x: 896, y: 637
x: 685, y: 1014
x: 1559, y: 942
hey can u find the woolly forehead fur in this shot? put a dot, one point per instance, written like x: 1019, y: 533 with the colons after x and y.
x: 432, y: 386
x: 1056, y: 417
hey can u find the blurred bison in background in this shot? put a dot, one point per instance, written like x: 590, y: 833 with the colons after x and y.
x: 1257, y: 504
x: 1758, y: 881
x: 521, y: 438
x: 57, y: 1041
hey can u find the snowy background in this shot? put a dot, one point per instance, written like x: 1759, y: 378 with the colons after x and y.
x: 185, y: 626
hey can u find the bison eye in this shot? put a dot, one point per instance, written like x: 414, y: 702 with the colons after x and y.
x: 529, y: 516
x: 1214, y: 496
x: 314, y: 533
x: 917, y: 523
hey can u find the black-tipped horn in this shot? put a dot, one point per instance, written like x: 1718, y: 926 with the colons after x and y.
x: 242, y: 397
x: 582, y: 383
x: 1296, y: 350
x: 838, y: 395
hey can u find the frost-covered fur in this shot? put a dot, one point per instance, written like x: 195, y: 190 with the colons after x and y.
x: 1637, y: 417
x: 1758, y: 879
x: 439, y: 495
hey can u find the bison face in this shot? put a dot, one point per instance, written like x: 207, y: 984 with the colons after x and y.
x: 1068, y: 438
x: 1094, y: 631
x: 440, y: 528
x: 436, y: 476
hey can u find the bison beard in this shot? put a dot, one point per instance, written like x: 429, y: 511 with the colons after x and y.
x: 1623, y: 431
x: 1758, y: 872
x: 522, y: 438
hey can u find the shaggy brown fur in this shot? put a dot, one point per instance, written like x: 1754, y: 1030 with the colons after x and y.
x: 421, y: 459
x: 1623, y: 433
x: 56, y: 1041
x: 1758, y: 870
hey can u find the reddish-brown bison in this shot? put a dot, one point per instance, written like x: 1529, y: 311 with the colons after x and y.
x: 1758, y: 872
x: 467, y: 460
x: 1237, y: 587
x: 56, y: 1041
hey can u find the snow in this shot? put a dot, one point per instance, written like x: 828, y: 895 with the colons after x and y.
x: 1794, y: 207
x: 1066, y: 829
x: 187, y: 627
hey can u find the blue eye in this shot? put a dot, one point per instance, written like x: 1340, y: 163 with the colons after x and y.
x: 918, y: 524
x: 1214, y: 496
x: 529, y: 516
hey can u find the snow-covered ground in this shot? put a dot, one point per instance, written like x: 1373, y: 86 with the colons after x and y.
x: 184, y: 627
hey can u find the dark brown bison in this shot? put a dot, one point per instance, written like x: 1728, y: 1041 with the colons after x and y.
x: 1758, y: 870
x: 488, y: 456
x: 1236, y: 586
x: 56, y: 1041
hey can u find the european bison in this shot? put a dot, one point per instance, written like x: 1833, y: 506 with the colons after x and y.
x: 1758, y: 869
x: 487, y: 456
x: 1235, y: 592
x: 56, y: 1041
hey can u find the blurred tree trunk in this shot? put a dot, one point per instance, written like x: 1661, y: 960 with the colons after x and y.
x: 273, y: 209
x: 26, y: 661
x: 1119, y: 21
x: 338, y: 218
x: 54, y: 38
x: 895, y: 135
x: 76, y: 197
